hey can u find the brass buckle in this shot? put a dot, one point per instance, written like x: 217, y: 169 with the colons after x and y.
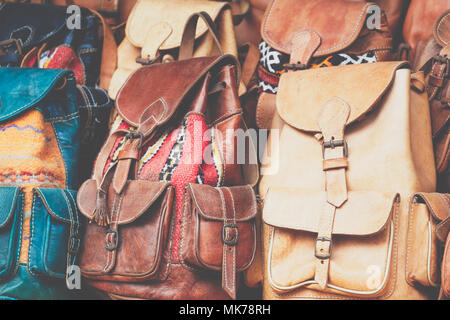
x: 320, y: 255
x: 10, y: 45
x: 230, y: 238
x: 333, y: 144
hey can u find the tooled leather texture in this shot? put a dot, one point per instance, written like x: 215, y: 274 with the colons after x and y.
x: 363, y: 261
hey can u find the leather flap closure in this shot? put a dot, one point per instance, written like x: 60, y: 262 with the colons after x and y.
x: 210, y: 203
x: 137, y: 198
x: 148, y: 15
x: 31, y: 24
x: 163, y: 86
x: 438, y: 204
x: 8, y: 201
x: 441, y: 30
x: 364, y: 213
x: 302, y: 95
x: 22, y: 88
x: 286, y: 18
x: 60, y: 203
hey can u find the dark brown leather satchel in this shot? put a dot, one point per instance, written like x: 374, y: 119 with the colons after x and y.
x: 135, y: 201
x: 434, y: 60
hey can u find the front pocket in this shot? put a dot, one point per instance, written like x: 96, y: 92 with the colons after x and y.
x: 363, y: 246
x: 11, y: 220
x: 54, y: 236
x: 134, y: 251
x: 427, y: 212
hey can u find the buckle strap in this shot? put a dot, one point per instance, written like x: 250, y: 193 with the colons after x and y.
x: 230, y: 238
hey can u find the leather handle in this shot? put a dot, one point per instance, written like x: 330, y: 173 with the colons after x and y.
x: 188, y: 38
x: 244, y: 10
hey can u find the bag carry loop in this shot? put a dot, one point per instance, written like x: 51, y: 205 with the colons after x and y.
x: 188, y: 38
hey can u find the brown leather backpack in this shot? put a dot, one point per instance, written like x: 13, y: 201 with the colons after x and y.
x: 163, y: 224
x: 433, y: 59
x: 299, y: 34
x: 418, y: 26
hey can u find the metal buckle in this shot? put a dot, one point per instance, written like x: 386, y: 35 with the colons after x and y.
x: 442, y: 60
x: 295, y: 66
x: 147, y: 61
x: 10, y: 45
x: 111, y: 246
x: 333, y: 144
x: 320, y: 255
x: 74, y: 245
x: 230, y: 238
x: 131, y: 135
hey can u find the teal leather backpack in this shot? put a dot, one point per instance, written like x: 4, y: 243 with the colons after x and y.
x: 39, y: 142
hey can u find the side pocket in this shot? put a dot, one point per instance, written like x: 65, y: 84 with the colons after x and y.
x: 219, y: 230
x: 11, y: 220
x: 427, y: 212
x: 54, y: 239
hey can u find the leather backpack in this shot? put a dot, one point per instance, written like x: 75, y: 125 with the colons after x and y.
x: 343, y: 161
x: 299, y: 34
x: 153, y: 34
x: 35, y: 35
x: 39, y: 144
x: 164, y: 221
x: 418, y: 24
x: 433, y: 60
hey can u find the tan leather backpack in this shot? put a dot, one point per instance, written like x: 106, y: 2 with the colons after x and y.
x: 153, y: 34
x: 348, y: 148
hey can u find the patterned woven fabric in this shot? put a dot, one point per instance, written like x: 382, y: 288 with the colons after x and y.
x: 179, y: 155
x: 30, y: 157
x: 272, y: 63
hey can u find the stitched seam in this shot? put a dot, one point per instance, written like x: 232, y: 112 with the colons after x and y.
x: 234, y: 252
x: 409, y: 235
x: 439, y: 25
x: 31, y: 234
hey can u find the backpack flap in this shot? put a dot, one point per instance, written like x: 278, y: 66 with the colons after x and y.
x: 302, y: 95
x: 131, y: 248
x: 287, y: 21
x: 55, y: 238
x: 32, y: 86
x: 362, y: 241
x: 165, y: 85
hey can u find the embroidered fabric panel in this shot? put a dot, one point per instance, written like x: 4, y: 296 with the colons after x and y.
x: 272, y: 62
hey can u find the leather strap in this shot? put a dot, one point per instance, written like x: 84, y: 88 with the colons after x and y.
x: 112, y: 235
x: 332, y: 120
x: 323, y: 246
x: 188, y: 38
x: 74, y: 237
x: 109, y: 54
x: 304, y: 44
x: 230, y: 238
x: 250, y: 64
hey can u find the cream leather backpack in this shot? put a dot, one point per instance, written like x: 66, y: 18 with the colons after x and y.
x: 349, y: 146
